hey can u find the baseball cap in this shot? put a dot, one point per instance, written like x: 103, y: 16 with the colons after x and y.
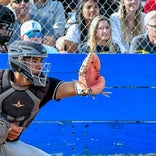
x: 30, y: 25
x: 149, y: 16
x: 149, y: 5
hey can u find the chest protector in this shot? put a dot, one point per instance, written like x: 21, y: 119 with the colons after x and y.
x: 19, y: 105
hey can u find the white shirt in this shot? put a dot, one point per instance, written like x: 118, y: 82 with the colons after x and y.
x: 73, y: 33
x: 117, y: 32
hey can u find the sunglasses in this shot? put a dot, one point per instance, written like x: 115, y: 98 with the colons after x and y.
x: 19, y: 1
x: 32, y: 34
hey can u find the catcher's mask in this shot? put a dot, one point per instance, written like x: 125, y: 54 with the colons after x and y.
x: 19, y: 51
x: 7, y: 20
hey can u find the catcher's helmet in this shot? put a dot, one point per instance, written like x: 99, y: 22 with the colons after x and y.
x: 18, y: 50
x: 7, y: 20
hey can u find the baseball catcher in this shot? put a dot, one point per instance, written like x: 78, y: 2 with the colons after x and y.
x: 26, y: 88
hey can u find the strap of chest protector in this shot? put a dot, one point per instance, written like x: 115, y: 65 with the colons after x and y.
x: 6, y: 88
x: 1, y: 75
x: 1, y: 88
x: 4, y: 81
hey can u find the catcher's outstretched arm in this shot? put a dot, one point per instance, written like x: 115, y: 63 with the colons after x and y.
x: 89, y: 81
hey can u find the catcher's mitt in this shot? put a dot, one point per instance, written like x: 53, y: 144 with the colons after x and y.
x: 90, y: 80
x: 4, y: 127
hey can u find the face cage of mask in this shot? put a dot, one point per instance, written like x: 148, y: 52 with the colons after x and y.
x: 40, y: 75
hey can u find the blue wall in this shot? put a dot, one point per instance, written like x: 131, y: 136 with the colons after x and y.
x: 123, y: 123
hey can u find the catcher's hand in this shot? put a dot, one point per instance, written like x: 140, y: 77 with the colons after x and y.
x: 90, y: 80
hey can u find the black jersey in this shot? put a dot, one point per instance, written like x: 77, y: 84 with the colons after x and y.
x: 20, y: 104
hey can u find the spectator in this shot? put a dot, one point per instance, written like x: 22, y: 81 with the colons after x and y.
x: 53, y: 12
x: 21, y: 10
x: 100, y: 40
x: 77, y: 33
x: 146, y: 43
x: 107, y: 7
x: 7, y: 19
x: 149, y: 6
x: 127, y: 23
x: 32, y: 31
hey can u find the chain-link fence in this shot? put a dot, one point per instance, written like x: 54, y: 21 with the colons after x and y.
x: 68, y: 25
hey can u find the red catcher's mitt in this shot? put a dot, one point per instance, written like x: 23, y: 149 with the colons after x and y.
x: 90, y: 80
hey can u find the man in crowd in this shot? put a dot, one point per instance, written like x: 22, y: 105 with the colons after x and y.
x: 146, y: 43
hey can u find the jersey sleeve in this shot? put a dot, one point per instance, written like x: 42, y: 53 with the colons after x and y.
x: 52, y: 89
x: 54, y: 84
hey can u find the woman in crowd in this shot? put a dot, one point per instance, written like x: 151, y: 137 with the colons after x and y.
x: 127, y: 23
x: 100, y: 40
x: 77, y: 33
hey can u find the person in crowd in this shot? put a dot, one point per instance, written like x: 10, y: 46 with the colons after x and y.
x: 107, y: 7
x: 77, y: 33
x: 146, y: 43
x: 21, y: 10
x: 7, y: 20
x: 53, y: 12
x: 100, y: 37
x: 127, y: 23
x: 149, y: 6
x: 32, y: 31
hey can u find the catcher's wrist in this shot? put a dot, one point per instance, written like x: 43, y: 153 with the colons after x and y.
x: 79, y: 89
